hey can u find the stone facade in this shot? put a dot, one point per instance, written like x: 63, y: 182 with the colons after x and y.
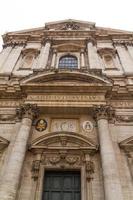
x: 66, y: 104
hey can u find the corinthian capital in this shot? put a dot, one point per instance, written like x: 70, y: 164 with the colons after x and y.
x: 103, y: 112
x: 27, y: 111
x: 91, y: 40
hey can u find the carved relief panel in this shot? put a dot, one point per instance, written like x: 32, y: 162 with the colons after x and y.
x: 70, y: 125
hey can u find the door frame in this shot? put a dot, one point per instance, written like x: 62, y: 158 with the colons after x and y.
x: 41, y: 177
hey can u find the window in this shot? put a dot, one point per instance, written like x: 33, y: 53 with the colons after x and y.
x: 68, y: 61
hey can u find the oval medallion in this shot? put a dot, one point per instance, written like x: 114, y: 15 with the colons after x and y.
x: 41, y: 125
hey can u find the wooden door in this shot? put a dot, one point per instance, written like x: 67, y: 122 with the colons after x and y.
x: 62, y: 185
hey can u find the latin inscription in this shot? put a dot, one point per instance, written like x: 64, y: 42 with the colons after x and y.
x: 66, y: 97
x: 64, y: 125
x: 9, y: 103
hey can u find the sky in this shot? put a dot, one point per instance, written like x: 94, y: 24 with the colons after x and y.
x: 24, y: 14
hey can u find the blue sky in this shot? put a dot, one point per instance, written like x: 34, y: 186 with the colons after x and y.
x: 23, y: 14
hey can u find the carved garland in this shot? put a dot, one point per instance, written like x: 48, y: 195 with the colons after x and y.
x: 63, y: 160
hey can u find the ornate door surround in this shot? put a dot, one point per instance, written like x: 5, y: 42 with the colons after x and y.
x: 63, y: 151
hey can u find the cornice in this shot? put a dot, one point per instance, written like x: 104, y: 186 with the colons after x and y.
x: 123, y: 42
x: 22, y: 38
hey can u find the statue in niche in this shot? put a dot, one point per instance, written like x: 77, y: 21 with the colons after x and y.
x: 108, y: 61
x: 28, y: 60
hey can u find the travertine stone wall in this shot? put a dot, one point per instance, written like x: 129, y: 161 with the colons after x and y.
x: 75, y: 112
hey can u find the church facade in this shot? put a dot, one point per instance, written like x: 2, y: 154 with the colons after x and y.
x: 66, y: 113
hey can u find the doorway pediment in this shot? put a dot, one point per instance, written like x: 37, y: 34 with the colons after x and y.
x: 64, y: 140
x: 67, y: 76
x: 3, y: 143
x: 127, y: 144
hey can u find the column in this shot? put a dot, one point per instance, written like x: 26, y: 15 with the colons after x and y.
x: 53, y: 58
x: 82, y: 58
x: 12, y: 173
x: 11, y: 60
x: 125, y: 58
x: 94, y: 61
x: 112, y: 185
x: 44, y: 54
x: 4, y: 55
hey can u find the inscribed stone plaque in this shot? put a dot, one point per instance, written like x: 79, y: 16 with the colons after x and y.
x: 70, y: 125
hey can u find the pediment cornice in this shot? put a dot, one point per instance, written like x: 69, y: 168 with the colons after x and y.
x: 88, y: 76
x: 64, y: 29
x: 66, y: 80
x: 127, y: 144
x: 60, y: 140
x: 3, y: 143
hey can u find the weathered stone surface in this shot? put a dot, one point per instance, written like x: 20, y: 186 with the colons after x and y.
x: 85, y: 121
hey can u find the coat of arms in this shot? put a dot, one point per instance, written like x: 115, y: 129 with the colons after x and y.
x: 41, y: 125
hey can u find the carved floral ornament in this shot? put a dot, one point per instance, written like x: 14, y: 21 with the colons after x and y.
x: 67, y: 150
x: 27, y: 111
x: 32, y: 51
x: 107, y: 51
x: 63, y: 159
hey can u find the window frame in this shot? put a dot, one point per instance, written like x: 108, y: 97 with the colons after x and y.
x: 75, y: 54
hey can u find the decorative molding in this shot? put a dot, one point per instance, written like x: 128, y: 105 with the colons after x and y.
x: 70, y: 26
x: 127, y: 144
x: 9, y: 103
x: 7, y: 117
x: 123, y: 42
x: 35, y: 169
x: 89, y: 170
x: 27, y: 111
x: 106, y: 51
x: 62, y: 159
x: 59, y: 140
x: 3, y: 143
x: 34, y: 51
x: 124, y: 118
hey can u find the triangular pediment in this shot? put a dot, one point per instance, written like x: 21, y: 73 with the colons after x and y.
x: 127, y: 144
x: 64, y: 25
x: 65, y: 140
